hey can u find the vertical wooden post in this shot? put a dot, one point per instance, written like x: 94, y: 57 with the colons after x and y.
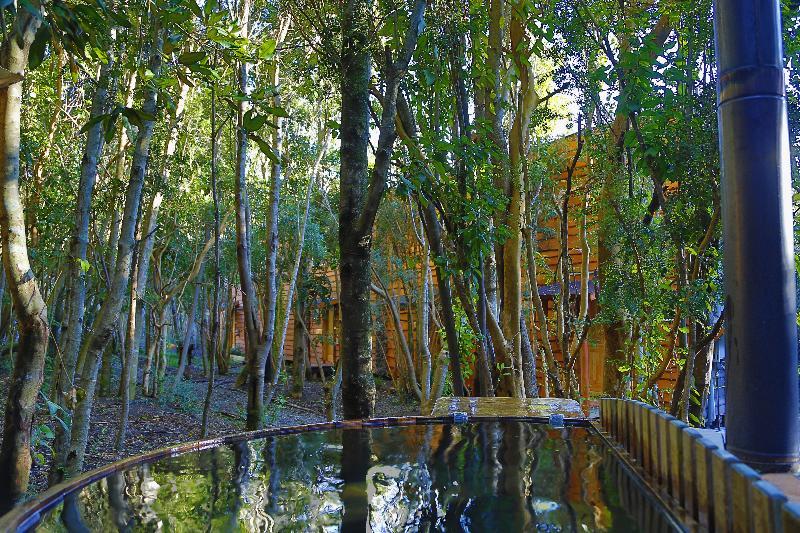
x: 663, y: 420
x: 791, y: 517
x: 675, y: 440
x: 688, y: 437
x: 721, y: 479
x: 766, y: 504
x: 652, y: 427
x: 704, y: 480
x: 627, y: 426
x: 742, y: 478
x: 647, y: 439
x: 612, y: 422
x: 638, y: 433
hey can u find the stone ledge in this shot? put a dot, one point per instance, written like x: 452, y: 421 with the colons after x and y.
x: 533, y: 407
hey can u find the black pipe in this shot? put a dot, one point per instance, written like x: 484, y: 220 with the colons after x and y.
x: 761, y: 335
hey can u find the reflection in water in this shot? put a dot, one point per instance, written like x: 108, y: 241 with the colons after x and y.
x: 490, y: 476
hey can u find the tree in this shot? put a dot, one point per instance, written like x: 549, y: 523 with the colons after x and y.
x: 29, y: 306
x: 362, y: 190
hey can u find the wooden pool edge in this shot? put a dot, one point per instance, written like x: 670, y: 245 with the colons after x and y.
x: 27, y: 515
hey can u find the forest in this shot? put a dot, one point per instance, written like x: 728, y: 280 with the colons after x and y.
x: 214, y: 213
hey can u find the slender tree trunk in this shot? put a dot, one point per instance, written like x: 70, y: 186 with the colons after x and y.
x: 115, y: 215
x: 301, y: 239
x: 187, y: 336
x: 433, y: 232
x: 528, y: 362
x: 109, y: 312
x: 257, y: 348
x: 484, y: 372
x: 106, y: 369
x: 128, y: 376
x: 215, y: 307
x: 76, y: 280
x: 301, y: 341
x: 408, y: 358
x: 29, y: 306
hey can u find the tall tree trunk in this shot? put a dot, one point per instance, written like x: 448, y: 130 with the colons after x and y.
x: 322, y: 147
x: 361, y: 191
x: 402, y: 341
x: 141, y: 269
x: 301, y: 341
x: 528, y: 362
x: 215, y: 307
x: 527, y: 101
x: 187, y: 335
x: 150, y: 374
x: 358, y: 386
x: 115, y: 215
x: 148, y: 227
x: 108, y: 315
x: 106, y: 369
x: 257, y: 349
x: 128, y: 376
x: 433, y: 232
x: 76, y: 269
x: 29, y: 306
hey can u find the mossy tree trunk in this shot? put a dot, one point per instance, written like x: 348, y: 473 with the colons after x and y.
x: 29, y: 306
x: 361, y: 190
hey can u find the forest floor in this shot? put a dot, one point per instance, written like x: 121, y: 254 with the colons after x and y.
x: 172, y: 419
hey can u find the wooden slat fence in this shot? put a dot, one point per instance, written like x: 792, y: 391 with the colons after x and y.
x: 712, y: 486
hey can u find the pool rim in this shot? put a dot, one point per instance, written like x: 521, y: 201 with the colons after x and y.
x: 28, y: 515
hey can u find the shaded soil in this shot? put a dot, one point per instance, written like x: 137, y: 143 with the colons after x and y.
x: 158, y: 422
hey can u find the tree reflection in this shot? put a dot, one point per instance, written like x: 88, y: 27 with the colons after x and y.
x: 117, y: 500
x: 356, y: 457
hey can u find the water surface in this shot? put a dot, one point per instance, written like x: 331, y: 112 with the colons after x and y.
x: 487, y: 476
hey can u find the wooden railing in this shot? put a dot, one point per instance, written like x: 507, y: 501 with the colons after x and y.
x: 713, y: 487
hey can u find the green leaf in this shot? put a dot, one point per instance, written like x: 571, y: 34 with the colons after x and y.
x: 92, y: 121
x: 39, y: 46
x: 84, y: 264
x: 136, y: 117
x: 208, y: 7
x: 109, y: 124
x: 277, y: 111
x: 46, y: 432
x: 630, y: 139
x: 190, y: 58
x: 267, y: 49
x: 192, y: 6
x: 265, y: 147
x: 253, y: 122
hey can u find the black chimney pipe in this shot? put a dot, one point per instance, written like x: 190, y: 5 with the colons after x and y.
x: 762, y: 402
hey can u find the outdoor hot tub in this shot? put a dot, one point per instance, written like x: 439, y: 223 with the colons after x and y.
x: 407, y: 474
